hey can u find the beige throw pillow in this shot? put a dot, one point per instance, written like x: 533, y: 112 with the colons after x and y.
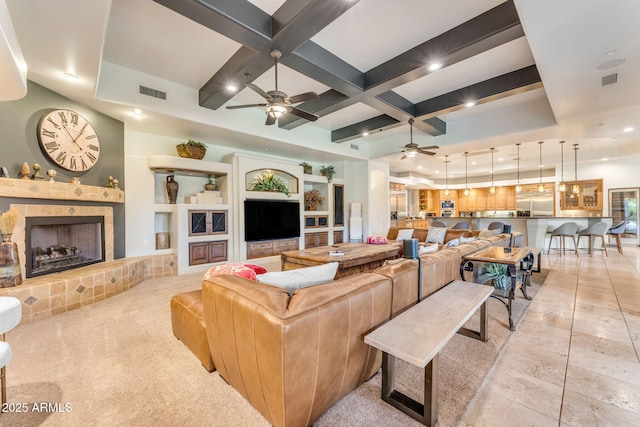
x: 300, y: 277
x: 404, y: 234
x: 429, y: 249
x: 436, y: 234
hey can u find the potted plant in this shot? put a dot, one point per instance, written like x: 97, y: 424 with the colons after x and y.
x: 328, y: 171
x: 312, y: 199
x: 306, y: 168
x: 211, y: 185
x: 191, y: 149
x: 497, y: 273
x: 268, y: 181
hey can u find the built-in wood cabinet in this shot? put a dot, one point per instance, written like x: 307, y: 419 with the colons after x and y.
x: 480, y: 199
x: 312, y: 240
x: 589, y: 196
x: 267, y: 248
x: 338, y: 237
x: 207, y: 252
x: 206, y: 222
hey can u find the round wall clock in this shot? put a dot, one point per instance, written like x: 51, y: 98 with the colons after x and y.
x: 69, y: 140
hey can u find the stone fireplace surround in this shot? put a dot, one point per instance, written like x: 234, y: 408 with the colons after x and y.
x: 57, y: 293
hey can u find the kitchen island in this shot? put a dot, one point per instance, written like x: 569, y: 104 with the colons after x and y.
x: 534, y: 229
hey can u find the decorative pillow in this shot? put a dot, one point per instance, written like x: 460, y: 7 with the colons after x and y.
x: 248, y: 271
x: 429, y: 249
x: 452, y: 242
x: 436, y: 234
x: 300, y: 277
x: 454, y: 234
x: 377, y: 240
x: 405, y: 234
x: 467, y: 239
x: 484, y: 234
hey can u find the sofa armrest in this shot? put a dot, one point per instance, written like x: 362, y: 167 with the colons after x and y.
x: 404, y: 278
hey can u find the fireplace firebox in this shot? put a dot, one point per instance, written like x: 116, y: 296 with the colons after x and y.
x: 58, y: 243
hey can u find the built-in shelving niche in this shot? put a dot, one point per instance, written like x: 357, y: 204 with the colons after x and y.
x: 289, y: 180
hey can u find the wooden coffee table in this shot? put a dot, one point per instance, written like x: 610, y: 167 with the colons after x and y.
x: 357, y: 258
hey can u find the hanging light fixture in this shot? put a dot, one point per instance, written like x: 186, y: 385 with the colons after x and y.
x: 540, y: 185
x: 466, y: 188
x: 518, y: 186
x: 575, y: 188
x: 492, y: 189
x: 446, y: 175
x: 562, y: 187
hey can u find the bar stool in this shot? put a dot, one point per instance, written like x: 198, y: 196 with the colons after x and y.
x: 438, y: 224
x: 496, y: 225
x: 616, y: 231
x: 462, y: 225
x: 10, y: 315
x: 599, y: 229
x: 568, y: 229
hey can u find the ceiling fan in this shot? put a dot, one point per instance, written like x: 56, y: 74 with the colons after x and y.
x: 279, y: 103
x: 411, y: 149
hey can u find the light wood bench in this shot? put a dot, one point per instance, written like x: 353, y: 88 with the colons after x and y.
x: 418, y: 335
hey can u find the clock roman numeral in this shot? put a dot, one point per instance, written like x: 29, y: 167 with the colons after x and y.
x: 72, y: 162
x: 62, y: 156
x: 94, y: 147
x: 49, y: 133
x: 51, y: 146
x: 91, y: 157
x: 74, y: 119
x: 53, y: 123
x: 63, y: 118
x: 84, y: 165
x: 89, y: 137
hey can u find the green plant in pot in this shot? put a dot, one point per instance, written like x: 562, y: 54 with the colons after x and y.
x: 191, y: 149
x: 211, y: 185
x: 268, y: 181
x: 306, y: 168
x: 497, y: 273
x: 328, y: 171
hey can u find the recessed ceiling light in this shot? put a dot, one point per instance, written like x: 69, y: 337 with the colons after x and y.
x: 419, y: 167
x: 137, y: 114
x: 611, y: 52
x: 610, y: 64
x: 436, y: 171
x: 71, y: 76
x: 628, y: 129
x: 473, y: 163
x: 365, y: 133
x: 232, y: 88
x: 434, y: 66
x: 604, y: 159
x: 469, y: 104
x: 500, y: 159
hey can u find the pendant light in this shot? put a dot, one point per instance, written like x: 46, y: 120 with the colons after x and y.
x: 518, y: 186
x: 446, y: 175
x: 575, y: 188
x: 466, y: 188
x: 492, y: 189
x: 562, y: 187
x: 540, y: 185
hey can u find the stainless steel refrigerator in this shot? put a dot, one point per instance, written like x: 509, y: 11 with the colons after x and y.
x: 623, y: 206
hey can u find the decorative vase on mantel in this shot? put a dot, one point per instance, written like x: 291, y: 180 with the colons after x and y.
x: 10, y: 274
x: 172, y: 189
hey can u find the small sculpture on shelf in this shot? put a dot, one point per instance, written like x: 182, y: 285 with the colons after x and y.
x: 115, y: 184
x: 172, y: 189
x: 51, y: 173
x: 36, y: 172
x: 110, y: 184
x: 211, y: 185
x: 25, y: 170
x: 306, y: 168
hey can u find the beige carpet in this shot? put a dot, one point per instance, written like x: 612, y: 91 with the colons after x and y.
x: 117, y: 363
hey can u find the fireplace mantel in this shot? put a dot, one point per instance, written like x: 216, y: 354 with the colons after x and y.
x: 53, y: 190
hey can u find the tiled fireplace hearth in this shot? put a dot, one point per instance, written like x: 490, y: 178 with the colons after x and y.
x: 58, y: 292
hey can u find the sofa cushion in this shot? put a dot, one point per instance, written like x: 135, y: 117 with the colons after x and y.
x: 453, y: 242
x: 248, y: 271
x: 405, y: 234
x: 428, y: 249
x: 467, y: 239
x: 300, y: 277
x: 436, y: 234
x: 484, y: 234
x: 455, y: 234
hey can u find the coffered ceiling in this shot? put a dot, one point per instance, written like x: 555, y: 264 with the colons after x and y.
x: 533, y: 68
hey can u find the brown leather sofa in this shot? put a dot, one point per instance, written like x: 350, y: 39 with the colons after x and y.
x: 293, y: 357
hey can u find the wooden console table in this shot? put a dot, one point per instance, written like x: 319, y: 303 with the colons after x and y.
x: 357, y: 258
x: 418, y: 335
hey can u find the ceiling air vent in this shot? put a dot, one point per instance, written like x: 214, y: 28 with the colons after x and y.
x: 610, y: 79
x: 153, y: 92
x: 355, y: 147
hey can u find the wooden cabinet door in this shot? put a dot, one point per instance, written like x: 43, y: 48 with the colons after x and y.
x: 511, y: 197
x: 463, y: 204
x: 322, y: 238
x: 338, y: 237
x: 218, y: 251
x: 310, y: 240
x: 501, y: 198
x: 198, y: 253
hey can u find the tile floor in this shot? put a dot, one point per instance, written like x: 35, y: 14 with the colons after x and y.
x: 574, y: 360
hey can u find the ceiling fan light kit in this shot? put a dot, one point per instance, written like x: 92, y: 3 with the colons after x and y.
x: 562, y: 187
x: 279, y: 103
x: 411, y: 149
x: 541, y: 185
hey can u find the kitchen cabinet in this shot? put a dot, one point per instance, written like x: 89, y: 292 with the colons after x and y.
x: 428, y: 201
x: 588, y: 198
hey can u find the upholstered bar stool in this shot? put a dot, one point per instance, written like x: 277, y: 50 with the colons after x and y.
x: 462, y: 225
x: 10, y: 315
x: 496, y: 225
x: 568, y: 229
x: 438, y: 224
x: 599, y: 229
x: 616, y: 231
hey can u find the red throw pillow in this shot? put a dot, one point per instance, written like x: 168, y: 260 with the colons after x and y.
x: 377, y: 240
x: 248, y: 271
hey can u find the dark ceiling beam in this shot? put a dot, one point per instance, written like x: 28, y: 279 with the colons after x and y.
x: 486, y: 31
x: 375, y: 124
x: 509, y: 84
x: 293, y: 24
x: 402, y: 109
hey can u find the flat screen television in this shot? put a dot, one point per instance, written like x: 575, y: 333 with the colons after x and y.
x: 271, y: 219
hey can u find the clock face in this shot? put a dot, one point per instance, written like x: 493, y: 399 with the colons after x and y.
x: 69, y: 140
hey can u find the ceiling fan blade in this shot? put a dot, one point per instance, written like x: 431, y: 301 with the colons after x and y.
x: 270, y: 120
x: 404, y: 156
x: 428, y: 153
x: 431, y: 147
x: 303, y: 97
x: 303, y: 114
x: 257, y: 90
x: 235, y: 107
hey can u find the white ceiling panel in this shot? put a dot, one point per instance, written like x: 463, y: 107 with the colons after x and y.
x: 269, y: 6
x: 347, y: 116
